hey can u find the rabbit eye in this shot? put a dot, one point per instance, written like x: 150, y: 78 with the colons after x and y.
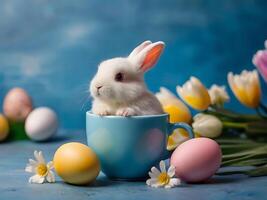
x: 119, y: 77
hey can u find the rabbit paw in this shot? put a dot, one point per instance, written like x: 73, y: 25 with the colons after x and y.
x: 125, y: 112
x: 101, y: 112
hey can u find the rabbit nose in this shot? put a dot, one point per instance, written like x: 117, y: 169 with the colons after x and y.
x: 98, y: 87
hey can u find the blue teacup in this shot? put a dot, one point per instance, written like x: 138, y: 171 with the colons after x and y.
x: 129, y: 146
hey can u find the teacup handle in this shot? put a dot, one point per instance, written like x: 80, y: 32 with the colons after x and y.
x: 182, y: 125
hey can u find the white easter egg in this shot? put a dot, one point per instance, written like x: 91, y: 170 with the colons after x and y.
x: 41, y: 124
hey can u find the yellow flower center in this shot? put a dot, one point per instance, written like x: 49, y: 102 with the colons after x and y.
x: 163, y: 178
x: 41, y: 169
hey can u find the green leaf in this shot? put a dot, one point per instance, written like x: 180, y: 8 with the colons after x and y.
x: 253, y: 162
x: 259, y: 171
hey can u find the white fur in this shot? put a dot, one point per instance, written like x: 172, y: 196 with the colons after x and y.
x: 131, y: 96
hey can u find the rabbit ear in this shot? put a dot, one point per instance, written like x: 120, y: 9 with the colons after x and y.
x: 149, y: 56
x: 139, y: 48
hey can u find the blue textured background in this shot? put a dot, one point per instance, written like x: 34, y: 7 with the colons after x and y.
x: 52, y: 48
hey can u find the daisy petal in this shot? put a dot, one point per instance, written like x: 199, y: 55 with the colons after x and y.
x: 36, y: 155
x: 152, y: 175
x: 50, y: 177
x: 155, y: 171
x: 156, y: 185
x: 162, y: 166
x: 151, y: 182
x: 148, y: 182
x: 39, y: 156
x: 175, y: 181
x: 171, y: 171
x: 50, y: 165
x: 29, y: 168
x: 167, y: 186
x: 32, y: 162
x: 36, y: 179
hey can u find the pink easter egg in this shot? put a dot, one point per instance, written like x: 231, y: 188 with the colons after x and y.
x: 197, y: 159
x: 17, y: 105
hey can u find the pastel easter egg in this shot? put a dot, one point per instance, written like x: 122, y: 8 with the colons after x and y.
x: 41, y: 124
x: 197, y: 159
x: 4, y: 128
x: 17, y: 104
x: 76, y: 163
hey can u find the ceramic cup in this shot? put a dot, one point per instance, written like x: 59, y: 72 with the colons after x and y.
x: 129, y: 146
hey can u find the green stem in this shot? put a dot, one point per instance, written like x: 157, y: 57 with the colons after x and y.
x: 232, y: 162
x: 257, y: 128
x: 234, y: 125
x: 258, y: 171
x: 253, y: 128
x: 234, y: 148
x: 230, y: 115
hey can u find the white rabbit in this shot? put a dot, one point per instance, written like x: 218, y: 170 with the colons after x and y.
x: 118, y: 88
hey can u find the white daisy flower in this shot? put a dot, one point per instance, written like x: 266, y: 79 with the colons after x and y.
x: 163, y: 178
x: 41, y: 169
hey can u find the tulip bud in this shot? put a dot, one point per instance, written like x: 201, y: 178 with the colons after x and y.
x: 194, y: 93
x: 207, y: 125
x: 260, y: 61
x: 177, y: 110
x: 246, y: 87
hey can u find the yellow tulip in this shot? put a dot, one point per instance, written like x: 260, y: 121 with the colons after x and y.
x: 177, y: 110
x: 194, y: 93
x: 178, y: 137
x: 246, y: 87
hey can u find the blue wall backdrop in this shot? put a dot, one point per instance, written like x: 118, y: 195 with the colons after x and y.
x: 52, y: 48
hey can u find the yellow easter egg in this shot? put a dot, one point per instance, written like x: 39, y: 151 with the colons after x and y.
x: 4, y: 128
x: 76, y: 163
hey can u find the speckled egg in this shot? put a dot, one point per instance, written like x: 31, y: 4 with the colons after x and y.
x: 4, y: 128
x: 197, y: 159
x: 76, y: 163
x: 41, y: 124
x: 17, y: 104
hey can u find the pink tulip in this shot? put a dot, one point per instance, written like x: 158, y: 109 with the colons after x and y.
x: 260, y: 61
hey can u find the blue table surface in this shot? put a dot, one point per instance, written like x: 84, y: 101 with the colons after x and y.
x: 14, y: 180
